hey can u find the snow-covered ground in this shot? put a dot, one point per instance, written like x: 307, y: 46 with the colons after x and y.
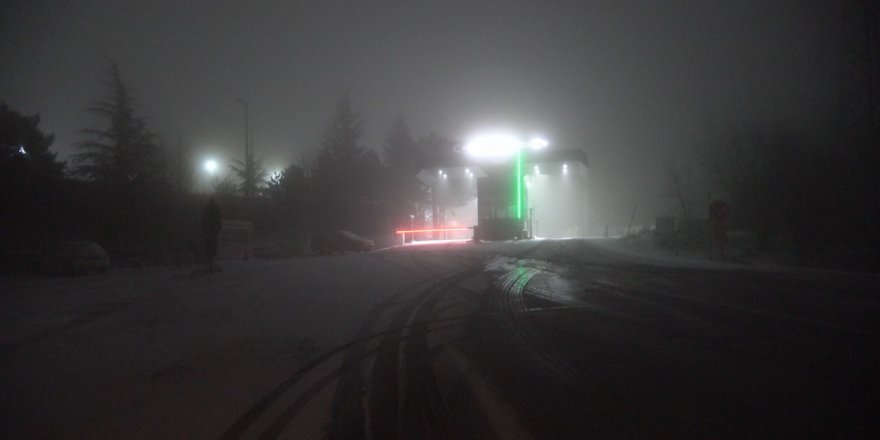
x: 164, y: 353
x: 180, y: 353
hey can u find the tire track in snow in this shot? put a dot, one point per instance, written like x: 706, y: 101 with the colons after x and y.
x: 361, y: 338
x: 350, y: 374
x: 384, y: 392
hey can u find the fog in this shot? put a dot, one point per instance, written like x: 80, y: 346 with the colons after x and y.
x: 557, y: 200
x: 628, y: 82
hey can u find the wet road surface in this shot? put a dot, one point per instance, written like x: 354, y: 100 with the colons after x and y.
x: 565, y: 339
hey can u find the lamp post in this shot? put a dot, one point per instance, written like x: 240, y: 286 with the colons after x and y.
x: 248, y: 153
x: 246, y: 144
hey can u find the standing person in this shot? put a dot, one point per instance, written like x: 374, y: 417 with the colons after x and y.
x: 212, y: 222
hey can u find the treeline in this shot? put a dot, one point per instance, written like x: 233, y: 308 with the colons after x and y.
x: 812, y: 196
x: 128, y: 188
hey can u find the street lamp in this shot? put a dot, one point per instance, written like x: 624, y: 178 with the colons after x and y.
x: 248, y: 158
x: 211, y: 166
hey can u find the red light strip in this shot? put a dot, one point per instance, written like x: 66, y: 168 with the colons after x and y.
x: 414, y: 231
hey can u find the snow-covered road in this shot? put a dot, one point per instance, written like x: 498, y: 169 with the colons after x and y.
x: 540, y: 339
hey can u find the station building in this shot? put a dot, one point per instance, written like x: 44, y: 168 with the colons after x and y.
x: 543, y: 195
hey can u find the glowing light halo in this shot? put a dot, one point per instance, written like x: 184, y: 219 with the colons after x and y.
x: 493, y: 146
x: 211, y: 166
x: 537, y: 143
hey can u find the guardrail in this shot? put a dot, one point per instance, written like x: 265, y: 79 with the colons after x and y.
x: 444, y: 231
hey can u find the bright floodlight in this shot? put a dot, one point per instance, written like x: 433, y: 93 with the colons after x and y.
x: 211, y: 166
x: 538, y: 143
x: 493, y: 146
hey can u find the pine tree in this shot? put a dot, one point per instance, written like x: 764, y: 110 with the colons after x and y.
x: 345, y: 173
x: 24, y: 149
x: 403, y: 191
x: 31, y: 179
x: 125, y: 151
x: 251, y: 173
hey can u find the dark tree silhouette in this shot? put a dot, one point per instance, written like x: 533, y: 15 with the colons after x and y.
x: 685, y: 186
x: 746, y: 166
x: 125, y: 173
x: 24, y: 149
x: 180, y: 169
x: 224, y: 189
x: 31, y: 180
x: 125, y: 151
x: 251, y: 173
x: 345, y: 173
x: 435, y: 150
x: 402, y: 190
x: 289, y: 194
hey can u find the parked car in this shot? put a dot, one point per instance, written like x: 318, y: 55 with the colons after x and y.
x: 329, y: 243
x: 74, y: 258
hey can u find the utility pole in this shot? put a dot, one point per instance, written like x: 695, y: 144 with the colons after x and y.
x: 531, y: 222
x: 633, y: 217
x: 248, y: 160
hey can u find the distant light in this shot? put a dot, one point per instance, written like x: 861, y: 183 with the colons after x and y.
x: 537, y: 170
x: 211, y: 166
x: 21, y: 150
x: 467, y: 170
x: 494, y: 146
x: 538, y: 143
x: 439, y: 172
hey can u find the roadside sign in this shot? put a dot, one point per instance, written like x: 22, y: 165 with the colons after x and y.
x: 719, y: 211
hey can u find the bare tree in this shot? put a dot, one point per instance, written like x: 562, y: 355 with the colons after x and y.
x: 680, y: 185
x: 746, y: 163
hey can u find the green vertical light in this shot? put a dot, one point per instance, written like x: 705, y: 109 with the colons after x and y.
x: 519, y: 179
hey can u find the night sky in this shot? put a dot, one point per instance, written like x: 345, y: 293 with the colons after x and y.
x: 629, y: 82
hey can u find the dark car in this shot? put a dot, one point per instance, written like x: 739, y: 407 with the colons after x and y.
x: 74, y: 258
x: 331, y: 242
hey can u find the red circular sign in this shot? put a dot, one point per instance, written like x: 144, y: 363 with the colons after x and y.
x: 719, y: 211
